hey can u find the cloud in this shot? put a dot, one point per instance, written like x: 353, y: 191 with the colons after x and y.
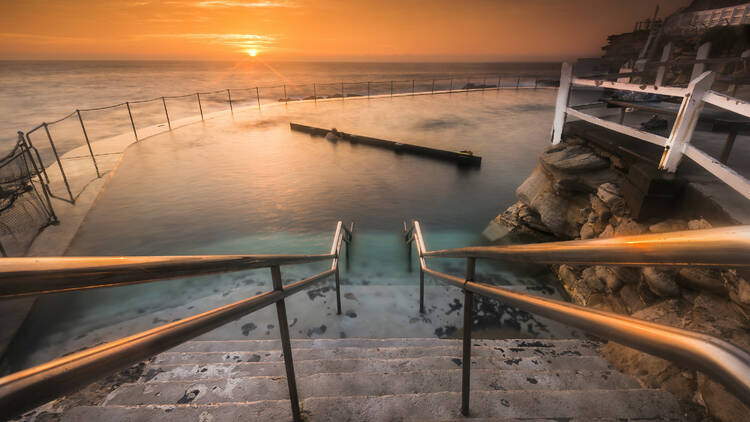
x: 43, y: 39
x: 248, y: 4
x: 243, y: 41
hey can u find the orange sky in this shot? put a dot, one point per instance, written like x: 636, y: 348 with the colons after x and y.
x: 384, y: 30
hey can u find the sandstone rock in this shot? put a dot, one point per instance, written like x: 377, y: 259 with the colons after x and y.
x: 609, y: 193
x: 588, y: 231
x: 739, y: 290
x: 629, y: 227
x: 592, y: 280
x: 608, y: 232
x: 631, y: 299
x: 536, y: 184
x: 719, y: 402
x: 628, y: 275
x: 666, y: 226
x: 560, y: 215
x: 701, y: 279
x: 573, y: 159
x: 333, y: 136
x: 531, y: 218
x: 587, y: 182
x: 699, y: 224
x: 601, y: 209
x: 511, y: 227
x: 661, y: 282
x: 567, y: 275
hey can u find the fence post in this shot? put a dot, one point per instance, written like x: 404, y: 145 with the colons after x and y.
x: 59, y: 163
x: 687, y: 117
x: 286, y: 99
x: 561, y: 105
x: 38, y: 157
x: 45, y: 186
x: 286, y: 345
x: 86, y: 137
x: 665, y: 56
x: 229, y: 96
x: 166, y: 113
x: 132, y: 123
x: 468, y: 319
x: 200, y: 106
x: 257, y: 96
x: 702, y: 54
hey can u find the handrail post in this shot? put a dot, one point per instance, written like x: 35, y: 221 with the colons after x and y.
x: 86, y: 136
x: 257, y: 96
x: 132, y: 123
x: 200, y: 106
x: 468, y: 319
x: 229, y: 95
x: 421, y: 290
x: 561, y: 105
x: 166, y: 113
x: 59, y: 163
x: 286, y: 344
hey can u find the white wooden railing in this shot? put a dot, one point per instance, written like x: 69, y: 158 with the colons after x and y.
x: 678, y: 143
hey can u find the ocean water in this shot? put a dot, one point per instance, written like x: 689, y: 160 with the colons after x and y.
x: 248, y: 184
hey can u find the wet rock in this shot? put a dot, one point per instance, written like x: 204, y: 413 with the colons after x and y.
x: 316, y: 330
x: 517, y: 224
x: 572, y: 159
x: 536, y: 184
x: 629, y: 227
x: 247, y: 328
x: 661, y: 282
x: 699, y: 224
x: 701, y: 279
x: 333, y: 135
x: 609, y: 194
x: 666, y: 226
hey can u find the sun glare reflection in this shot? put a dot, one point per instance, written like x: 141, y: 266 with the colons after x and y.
x: 252, y: 53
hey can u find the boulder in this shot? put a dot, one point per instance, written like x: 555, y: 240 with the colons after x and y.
x: 567, y: 275
x: 588, y: 231
x: 631, y: 299
x: 560, y: 215
x: 333, y: 135
x: 629, y: 227
x: 587, y: 182
x: 739, y: 290
x: 600, y: 208
x: 661, y: 282
x: 592, y: 280
x: 536, y: 184
x: 530, y: 218
x: 701, y: 279
x: 670, y: 225
x: 627, y: 275
x: 699, y: 224
x: 609, y: 193
x: 608, y: 232
x: 719, y: 402
x: 572, y: 159
x: 517, y: 225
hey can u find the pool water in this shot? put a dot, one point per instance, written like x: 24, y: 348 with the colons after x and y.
x: 248, y: 184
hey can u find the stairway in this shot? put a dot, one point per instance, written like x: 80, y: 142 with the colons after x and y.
x: 381, y: 380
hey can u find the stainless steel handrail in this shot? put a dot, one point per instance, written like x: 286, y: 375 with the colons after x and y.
x: 32, y: 387
x: 725, y: 247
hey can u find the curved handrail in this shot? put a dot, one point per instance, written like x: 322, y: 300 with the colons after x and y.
x: 719, y: 359
x: 26, y: 389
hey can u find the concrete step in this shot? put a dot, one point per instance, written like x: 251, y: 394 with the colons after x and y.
x: 454, y: 349
x: 168, y: 372
x: 264, y: 345
x: 556, y: 405
x: 362, y: 384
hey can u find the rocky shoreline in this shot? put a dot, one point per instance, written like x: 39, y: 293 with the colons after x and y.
x: 576, y: 192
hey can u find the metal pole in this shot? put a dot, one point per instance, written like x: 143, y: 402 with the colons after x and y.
x: 421, y: 290
x: 412, y: 87
x: 391, y: 88
x: 38, y: 157
x: 468, y: 81
x: 518, y: 82
x: 132, y: 123
x: 468, y: 318
x: 342, y: 90
x: 286, y: 345
x: 368, y: 89
x: 200, y: 106
x: 86, y: 136
x: 315, y: 94
x: 338, y: 291
x: 45, y: 186
x: 433, y: 87
x: 484, y: 82
x: 166, y: 113
x: 57, y: 157
x: 286, y: 99
x: 229, y: 95
x: 499, y: 80
x: 451, y: 88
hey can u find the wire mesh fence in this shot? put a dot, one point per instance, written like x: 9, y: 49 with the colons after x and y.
x: 71, y: 152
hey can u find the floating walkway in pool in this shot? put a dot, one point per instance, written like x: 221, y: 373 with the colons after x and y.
x: 462, y: 158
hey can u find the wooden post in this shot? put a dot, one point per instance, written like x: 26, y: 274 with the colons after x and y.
x: 666, y: 54
x: 561, y: 105
x: 702, y: 54
x: 684, y: 125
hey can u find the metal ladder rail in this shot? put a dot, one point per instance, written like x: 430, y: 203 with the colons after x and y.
x: 723, y: 361
x: 32, y: 387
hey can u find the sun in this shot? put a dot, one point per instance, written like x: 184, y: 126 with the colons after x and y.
x: 252, y: 53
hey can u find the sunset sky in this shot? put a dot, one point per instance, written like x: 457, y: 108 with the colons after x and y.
x: 384, y: 30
